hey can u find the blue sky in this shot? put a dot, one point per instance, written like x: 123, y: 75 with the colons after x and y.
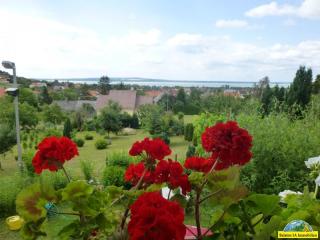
x: 229, y: 40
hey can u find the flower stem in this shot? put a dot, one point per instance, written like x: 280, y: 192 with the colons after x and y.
x: 197, y: 213
x: 66, y: 174
x: 316, y: 191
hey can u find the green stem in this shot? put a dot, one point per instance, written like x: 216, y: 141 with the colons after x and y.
x: 247, y: 218
x: 197, y: 213
x: 66, y: 174
x: 316, y: 191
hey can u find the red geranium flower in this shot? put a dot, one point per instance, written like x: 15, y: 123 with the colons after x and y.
x: 155, y: 149
x: 199, y: 164
x: 172, y: 173
x: 53, y: 152
x: 134, y: 173
x: 228, y: 143
x: 153, y: 217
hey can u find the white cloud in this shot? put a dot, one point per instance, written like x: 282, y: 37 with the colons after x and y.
x: 307, y: 9
x: 235, y: 23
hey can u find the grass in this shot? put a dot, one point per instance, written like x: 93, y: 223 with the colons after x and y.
x: 89, y: 153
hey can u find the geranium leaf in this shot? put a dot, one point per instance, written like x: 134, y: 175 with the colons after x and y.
x: 31, y: 201
x: 31, y: 230
x: 266, y: 204
x: 180, y: 199
x: 195, y: 178
x: 218, y: 212
x: 77, y: 190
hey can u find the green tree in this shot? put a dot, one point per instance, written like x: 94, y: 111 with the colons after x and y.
x: 150, y: 117
x: 78, y: 120
x: 266, y: 100
x: 300, y: 90
x: 27, y: 96
x: 53, y: 114
x: 67, y: 128
x: 104, y: 85
x: 181, y: 96
x: 109, y: 118
x: 134, y: 121
x: 188, y: 132
x: 316, y: 85
x: 28, y: 115
x: 44, y: 97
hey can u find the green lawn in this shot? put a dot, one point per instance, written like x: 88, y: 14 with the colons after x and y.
x: 98, y: 157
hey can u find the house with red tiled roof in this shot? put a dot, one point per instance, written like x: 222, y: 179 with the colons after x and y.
x: 2, y: 92
x: 155, y: 94
x: 127, y: 99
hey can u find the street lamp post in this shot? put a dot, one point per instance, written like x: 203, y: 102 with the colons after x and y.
x: 11, y: 65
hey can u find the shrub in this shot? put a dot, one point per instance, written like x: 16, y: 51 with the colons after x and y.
x: 164, y: 136
x: 88, y: 137
x: 10, y: 186
x: 191, y: 151
x: 113, y: 175
x: 56, y: 179
x: 188, y: 132
x: 27, y: 159
x: 90, y: 125
x: 121, y: 159
x: 79, y: 142
x: 87, y: 170
x: 67, y: 128
x: 52, y: 132
x: 101, y: 144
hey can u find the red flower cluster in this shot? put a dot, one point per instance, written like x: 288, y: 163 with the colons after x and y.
x: 134, y: 173
x: 156, y: 149
x: 228, y: 143
x: 165, y: 171
x: 153, y: 217
x: 53, y: 152
x: 172, y: 173
x: 199, y: 164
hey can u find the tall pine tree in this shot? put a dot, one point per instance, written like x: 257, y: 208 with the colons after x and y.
x: 301, y: 88
x: 67, y: 129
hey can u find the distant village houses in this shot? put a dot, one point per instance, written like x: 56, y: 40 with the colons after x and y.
x: 232, y: 93
x: 129, y: 100
x: 37, y: 85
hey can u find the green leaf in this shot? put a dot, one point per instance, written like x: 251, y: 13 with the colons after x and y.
x: 114, y: 192
x: 69, y: 230
x: 225, y: 179
x: 154, y: 188
x: 76, y: 190
x: 266, y: 204
x: 218, y: 212
x: 180, y: 199
x: 264, y: 231
x: 31, y: 201
x: 31, y: 230
x: 195, y: 178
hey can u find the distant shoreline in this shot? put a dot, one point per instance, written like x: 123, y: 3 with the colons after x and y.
x: 167, y: 83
